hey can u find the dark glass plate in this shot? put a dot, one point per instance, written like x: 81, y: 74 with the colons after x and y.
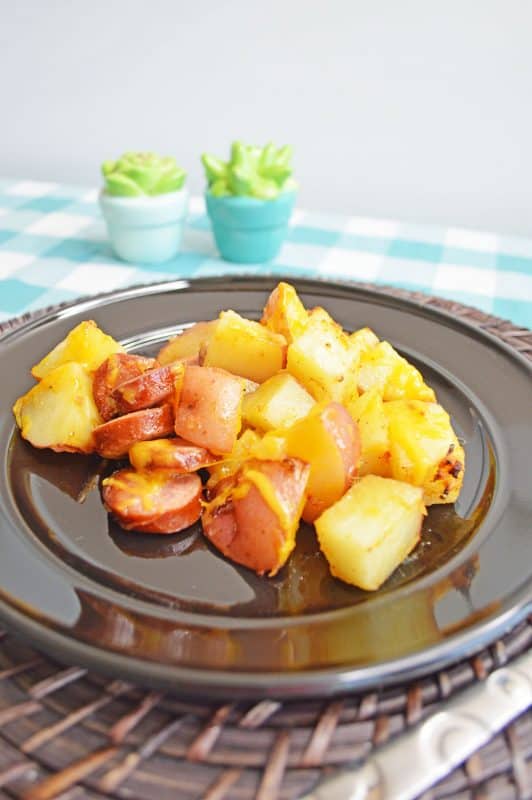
x: 170, y: 611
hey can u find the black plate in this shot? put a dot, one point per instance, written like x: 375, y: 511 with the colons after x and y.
x: 172, y: 612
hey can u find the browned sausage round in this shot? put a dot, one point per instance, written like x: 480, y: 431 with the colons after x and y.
x: 116, y: 369
x: 175, y: 454
x: 154, y: 501
x: 114, y: 438
x: 147, y: 389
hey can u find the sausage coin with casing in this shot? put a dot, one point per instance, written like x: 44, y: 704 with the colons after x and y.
x: 116, y: 369
x: 154, y: 501
x: 114, y: 438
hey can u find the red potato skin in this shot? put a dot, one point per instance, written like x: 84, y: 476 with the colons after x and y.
x: 208, y: 411
x: 114, y: 438
x: 116, y: 369
x: 149, y: 389
x: 344, y: 431
x: 155, y: 501
x: 176, y: 454
x: 245, y: 528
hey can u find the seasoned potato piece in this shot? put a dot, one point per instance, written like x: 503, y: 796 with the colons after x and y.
x: 284, y: 312
x: 395, y: 378
x: 277, y: 403
x: 368, y: 412
x: 243, y: 449
x: 328, y: 440
x: 254, y: 518
x: 322, y: 360
x: 60, y: 412
x: 246, y: 348
x: 363, y: 340
x: 209, y: 408
x: 368, y: 533
x: 187, y: 344
x: 425, y: 450
x: 85, y: 344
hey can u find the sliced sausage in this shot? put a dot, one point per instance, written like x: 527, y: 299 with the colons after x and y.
x: 148, y: 389
x: 114, y: 438
x: 116, y: 369
x: 175, y: 454
x: 154, y: 501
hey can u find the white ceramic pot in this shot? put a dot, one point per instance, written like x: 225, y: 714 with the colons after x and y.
x: 145, y: 230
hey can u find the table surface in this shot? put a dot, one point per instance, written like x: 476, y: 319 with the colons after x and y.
x: 53, y: 248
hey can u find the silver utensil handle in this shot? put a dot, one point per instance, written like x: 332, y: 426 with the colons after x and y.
x: 412, y: 763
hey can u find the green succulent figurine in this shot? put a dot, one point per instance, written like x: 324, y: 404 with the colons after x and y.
x: 261, y: 172
x: 141, y: 174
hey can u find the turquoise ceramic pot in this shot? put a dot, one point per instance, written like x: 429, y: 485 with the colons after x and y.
x: 145, y: 230
x: 247, y: 230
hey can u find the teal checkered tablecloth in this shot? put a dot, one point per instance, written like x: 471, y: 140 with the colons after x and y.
x: 53, y: 248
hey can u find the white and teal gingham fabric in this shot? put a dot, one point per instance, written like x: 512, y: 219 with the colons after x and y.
x: 53, y: 248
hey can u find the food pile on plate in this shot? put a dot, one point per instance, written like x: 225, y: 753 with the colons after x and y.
x: 252, y: 427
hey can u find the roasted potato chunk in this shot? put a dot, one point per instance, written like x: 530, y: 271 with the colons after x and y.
x: 209, y: 408
x: 382, y: 368
x: 424, y: 449
x: 246, y: 348
x: 322, y: 360
x: 368, y: 412
x: 363, y: 340
x: 187, y: 345
x: 371, y: 530
x: 60, y: 412
x: 85, y: 344
x: 284, y: 312
x: 328, y: 440
x: 277, y: 403
x: 254, y: 518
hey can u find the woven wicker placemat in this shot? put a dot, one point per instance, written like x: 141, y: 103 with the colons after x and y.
x: 70, y: 734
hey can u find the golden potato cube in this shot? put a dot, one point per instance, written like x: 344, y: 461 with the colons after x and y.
x: 327, y: 439
x: 364, y: 340
x: 85, y: 344
x: 60, y: 412
x: 424, y: 449
x: 284, y: 312
x: 382, y: 368
x: 368, y: 412
x: 371, y: 530
x: 322, y: 360
x: 187, y: 344
x: 245, y: 348
x: 277, y: 403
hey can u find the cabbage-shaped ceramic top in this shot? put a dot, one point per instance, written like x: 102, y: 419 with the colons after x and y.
x: 261, y: 172
x: 141, y: 174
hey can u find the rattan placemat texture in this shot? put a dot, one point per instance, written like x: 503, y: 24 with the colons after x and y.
x: 70, y: 734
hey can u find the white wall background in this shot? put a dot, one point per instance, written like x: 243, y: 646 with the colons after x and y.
x: 416, y: 109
